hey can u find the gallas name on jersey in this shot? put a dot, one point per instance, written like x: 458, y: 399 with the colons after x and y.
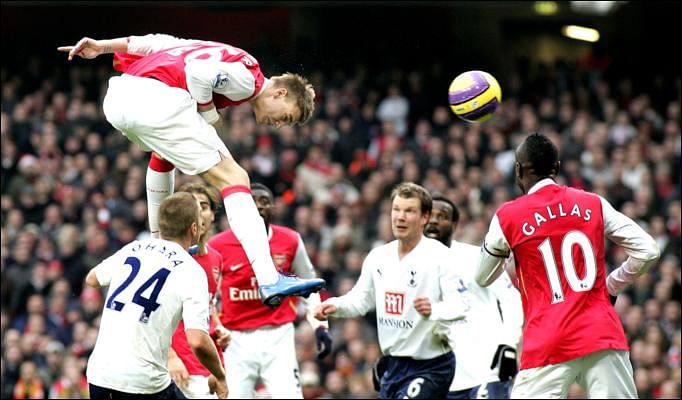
x: 554, y: 211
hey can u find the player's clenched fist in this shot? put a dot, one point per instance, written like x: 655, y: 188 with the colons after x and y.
x: 423, y: 305
x: 222, y: 336
x: 323, y: 310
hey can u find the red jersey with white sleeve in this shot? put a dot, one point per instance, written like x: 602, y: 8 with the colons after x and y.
x: 209, y: 71
x: 241, y: 305
x: 212, y: 264
x: 556, y: 235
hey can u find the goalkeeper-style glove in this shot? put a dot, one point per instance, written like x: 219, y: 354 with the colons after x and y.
x: 324, y: 342
x: 505, y: 360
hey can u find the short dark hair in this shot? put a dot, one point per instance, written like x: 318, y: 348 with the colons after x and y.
x: 409, y: 190
x: 455, y: 211
x: 177, y: 213
x: 541, y: 155
x: 202, y: 188
x: 260, y: 186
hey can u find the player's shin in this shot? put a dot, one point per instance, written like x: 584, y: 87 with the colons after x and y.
x: 249, y: 228
x: 160, y: 182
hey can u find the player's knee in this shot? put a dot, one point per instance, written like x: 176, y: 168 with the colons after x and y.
x: 227, y: 173
x: 241, y: 177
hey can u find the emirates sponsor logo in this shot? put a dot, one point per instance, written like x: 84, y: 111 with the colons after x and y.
x: 237, y: 294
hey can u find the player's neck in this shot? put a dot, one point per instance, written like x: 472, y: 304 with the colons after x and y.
x: 533, y: 180
x: 255, y: 101
x: 203, y: 249
x: 406, y: 246
x: 185, y: 242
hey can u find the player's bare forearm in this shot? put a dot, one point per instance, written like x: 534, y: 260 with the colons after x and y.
x: 205, y: 350
x: 221, y: 128
x: 90, y: 48
x: 221, y: 335
x: 211, y: 115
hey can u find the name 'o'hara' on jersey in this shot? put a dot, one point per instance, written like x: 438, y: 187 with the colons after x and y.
x: 487, y: 325
x: 556, y: 235
x: 242, y: 307
x: 148, y: 294
x: 390, y: 285
x: 209, y: 71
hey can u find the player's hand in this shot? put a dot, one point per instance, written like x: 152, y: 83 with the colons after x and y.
x: 222, y: 336
x: 423, y: 305
x: 323, y: 310
x: 178, y: 372
x: 217, y: 386
x: 324, y: 342
x: 505, y: 359
x: 85, y: 48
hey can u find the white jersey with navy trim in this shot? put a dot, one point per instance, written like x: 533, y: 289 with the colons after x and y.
x: 478, y: 336
x: 390, y: 285
x: 153, y: 283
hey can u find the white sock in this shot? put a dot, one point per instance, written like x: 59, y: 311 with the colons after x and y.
x: 160, y: 182
x: 249, y: 228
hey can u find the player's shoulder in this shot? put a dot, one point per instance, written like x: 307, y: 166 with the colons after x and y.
x: 571, y: 191
x: 284, y: 232
x: 465, y: 248
x: 225, y: 238
x: 211, y: 251
x: 432, y: 245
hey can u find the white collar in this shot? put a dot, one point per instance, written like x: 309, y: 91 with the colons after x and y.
x: 265, y: 84
x: 540, y: 184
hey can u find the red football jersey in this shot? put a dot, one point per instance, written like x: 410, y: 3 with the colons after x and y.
x: 168, y: 66
x: 242, y: 307
x: 557, y: 238
x: 212, y: 264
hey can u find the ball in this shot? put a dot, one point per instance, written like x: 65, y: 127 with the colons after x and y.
x: 474, y: 96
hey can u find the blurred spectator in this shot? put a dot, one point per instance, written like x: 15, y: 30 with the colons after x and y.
x: 29, y: 385
x: 72, y: 192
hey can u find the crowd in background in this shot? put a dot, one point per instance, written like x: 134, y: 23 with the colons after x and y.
x: 73, y: 191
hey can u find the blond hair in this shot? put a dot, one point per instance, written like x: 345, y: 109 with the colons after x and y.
x: 410, y: 190
x: 177, y: 213
x: 301, y: 90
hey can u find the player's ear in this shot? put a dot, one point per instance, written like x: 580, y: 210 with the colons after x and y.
x: 281, y: 92
x: 519, y: 170
x: 557, y: 168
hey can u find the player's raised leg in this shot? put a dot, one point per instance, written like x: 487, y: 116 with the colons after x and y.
x: 248, y: 226
x: 160, y: 181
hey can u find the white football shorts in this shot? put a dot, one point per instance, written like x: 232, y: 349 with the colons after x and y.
x: 268, y: 353
x: 165, y: 120
x: 605, y: 374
